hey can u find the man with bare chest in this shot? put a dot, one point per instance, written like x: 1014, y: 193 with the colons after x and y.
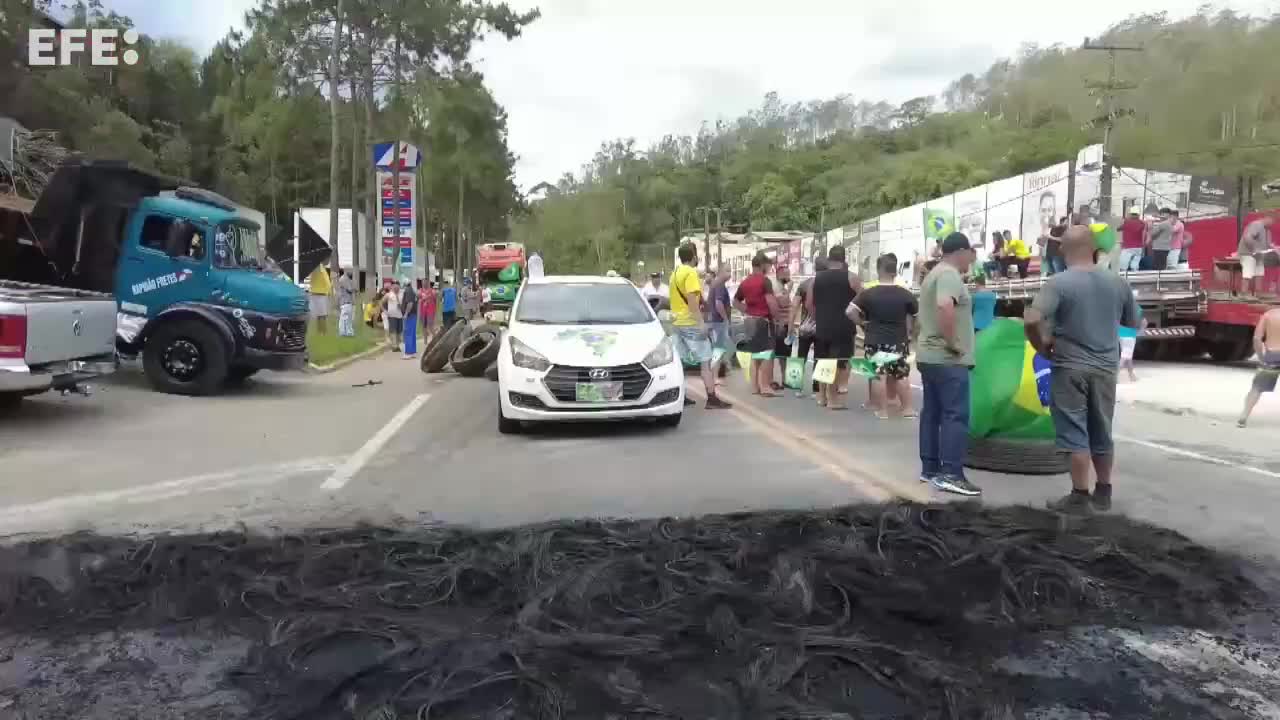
x: 1266, y: 341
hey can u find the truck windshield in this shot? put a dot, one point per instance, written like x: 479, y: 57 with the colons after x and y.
x: 238, y: 246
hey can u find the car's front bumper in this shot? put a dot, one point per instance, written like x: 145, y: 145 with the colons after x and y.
x: 20, y: 378
x: 525, y: 397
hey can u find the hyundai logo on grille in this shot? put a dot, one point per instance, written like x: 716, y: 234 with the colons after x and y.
x: 599, y: 374
x: 75, y: 328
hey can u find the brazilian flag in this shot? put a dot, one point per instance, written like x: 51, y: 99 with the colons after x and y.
x: 1009, y: 385
x: 938, y: 224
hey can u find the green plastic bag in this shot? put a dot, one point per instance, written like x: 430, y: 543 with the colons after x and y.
x: 510, y: 273
x: 1009, y: 385
x: 862, y: 366
x: 794, y: 376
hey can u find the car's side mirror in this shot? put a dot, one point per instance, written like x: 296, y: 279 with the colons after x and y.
x: 178, y: 239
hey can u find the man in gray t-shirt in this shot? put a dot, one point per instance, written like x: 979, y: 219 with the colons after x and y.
x: 1161, y: 239
x: 1074, y: 322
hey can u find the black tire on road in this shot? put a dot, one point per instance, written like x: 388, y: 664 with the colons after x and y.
x: 476, y: 353
x: 186, y: 357
x: 1017, y: 457
x: 491, y: 372
x: 437, y: 357
x: 10, y: 401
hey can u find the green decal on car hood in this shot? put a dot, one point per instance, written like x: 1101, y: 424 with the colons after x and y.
x: 599, y: 341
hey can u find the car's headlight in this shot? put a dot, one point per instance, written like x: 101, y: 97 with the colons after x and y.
x: 661, y: 355
x: 523, y: 356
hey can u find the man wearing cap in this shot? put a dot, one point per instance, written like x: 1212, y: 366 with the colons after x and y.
x: 1133, y: 238
x: 1073, y: 323
x: 654, y: 291
x: 944, y: 356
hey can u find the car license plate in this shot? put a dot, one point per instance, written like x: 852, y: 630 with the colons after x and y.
x: 599, y: 392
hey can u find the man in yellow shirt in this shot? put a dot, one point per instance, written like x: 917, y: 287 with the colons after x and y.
x: 319, y: 296
x: 692, y: 341
x: 1016, y: 253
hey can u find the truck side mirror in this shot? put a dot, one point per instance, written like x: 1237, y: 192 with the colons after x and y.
x: 178, y: 239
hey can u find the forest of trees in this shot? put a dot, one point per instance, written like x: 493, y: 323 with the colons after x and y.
x: 257, y: 118
x: 1207, y: 102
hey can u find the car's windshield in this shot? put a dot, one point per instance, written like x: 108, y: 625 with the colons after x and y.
x: 584, y: 303
x: 238, y: 246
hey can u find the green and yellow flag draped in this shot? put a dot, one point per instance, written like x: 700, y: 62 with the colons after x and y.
x: 1009, y: 385
x: 938, y: 224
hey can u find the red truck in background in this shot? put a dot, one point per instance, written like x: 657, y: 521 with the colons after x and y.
x: 1224, y: 328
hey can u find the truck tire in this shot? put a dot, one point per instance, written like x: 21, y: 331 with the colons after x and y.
x: 441, y: 349
x: 186, y: 357
x: 10, y: 401
x: 491, y: 372
x: 1226, y: 351
x: 476, y: 352
x: 1017, y: 457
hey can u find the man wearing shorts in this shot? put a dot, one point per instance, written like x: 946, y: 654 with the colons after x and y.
x: 887, y: 313
x: 804, y: 324
x: 691, y: 339
x: 1255, y: 241
x: 1266, y: 341
x: 1072, y: 323
x: 318, y: 297
x: 717, y: 310
x: 833, y: 290
x: 756, y: 301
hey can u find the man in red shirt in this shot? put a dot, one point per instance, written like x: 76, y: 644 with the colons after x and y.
x: 1133, y: 238
x: 755, y: 300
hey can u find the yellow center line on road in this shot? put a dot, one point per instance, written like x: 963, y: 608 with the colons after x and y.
x: 821, y: 454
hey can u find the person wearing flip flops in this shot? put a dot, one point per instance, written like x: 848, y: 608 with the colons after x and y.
x: 887, y: 315
x: 828, y: 303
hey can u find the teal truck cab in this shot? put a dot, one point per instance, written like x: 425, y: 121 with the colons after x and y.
x: 196, y: 299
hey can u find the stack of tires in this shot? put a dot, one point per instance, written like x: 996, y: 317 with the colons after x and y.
x: 470, y: 352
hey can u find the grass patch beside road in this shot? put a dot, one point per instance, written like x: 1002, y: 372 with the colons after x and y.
x: 329, y: 348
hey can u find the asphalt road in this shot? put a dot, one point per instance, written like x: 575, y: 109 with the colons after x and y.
x: 288, y: 451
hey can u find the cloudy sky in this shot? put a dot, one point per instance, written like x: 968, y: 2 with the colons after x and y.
x: 590, y: 70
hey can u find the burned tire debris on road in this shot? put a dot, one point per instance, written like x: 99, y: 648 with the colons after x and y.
x: 887, y: 611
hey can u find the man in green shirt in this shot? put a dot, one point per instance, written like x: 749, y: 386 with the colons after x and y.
x: 944, y: 356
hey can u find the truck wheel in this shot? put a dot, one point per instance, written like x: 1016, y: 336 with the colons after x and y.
x: 186, y: 357
x: 1016, y: 457
x: 10, y: 401
x: 476, y: 353
x: 1231, y: 350
x: 437, y: 356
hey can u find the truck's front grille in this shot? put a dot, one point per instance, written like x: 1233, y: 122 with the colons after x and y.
x: 562, y: 380
x: 291, y: 335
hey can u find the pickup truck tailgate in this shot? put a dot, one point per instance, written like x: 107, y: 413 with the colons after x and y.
x: 67, y: 325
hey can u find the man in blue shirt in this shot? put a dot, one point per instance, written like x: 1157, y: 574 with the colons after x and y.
x: 984, y: 304
x: 448, y: 305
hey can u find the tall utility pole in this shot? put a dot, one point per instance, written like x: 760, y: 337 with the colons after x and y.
x: 706, y: 233
x: 1107, y: 90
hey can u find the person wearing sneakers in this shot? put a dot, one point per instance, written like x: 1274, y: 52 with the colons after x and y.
x: 944, y: 357
x: 1072, y: 323
x: 691, y: 339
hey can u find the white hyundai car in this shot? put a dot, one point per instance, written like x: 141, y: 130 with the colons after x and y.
x: 582, y: 348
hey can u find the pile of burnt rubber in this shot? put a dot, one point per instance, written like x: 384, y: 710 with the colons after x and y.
x: 860, y: 611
